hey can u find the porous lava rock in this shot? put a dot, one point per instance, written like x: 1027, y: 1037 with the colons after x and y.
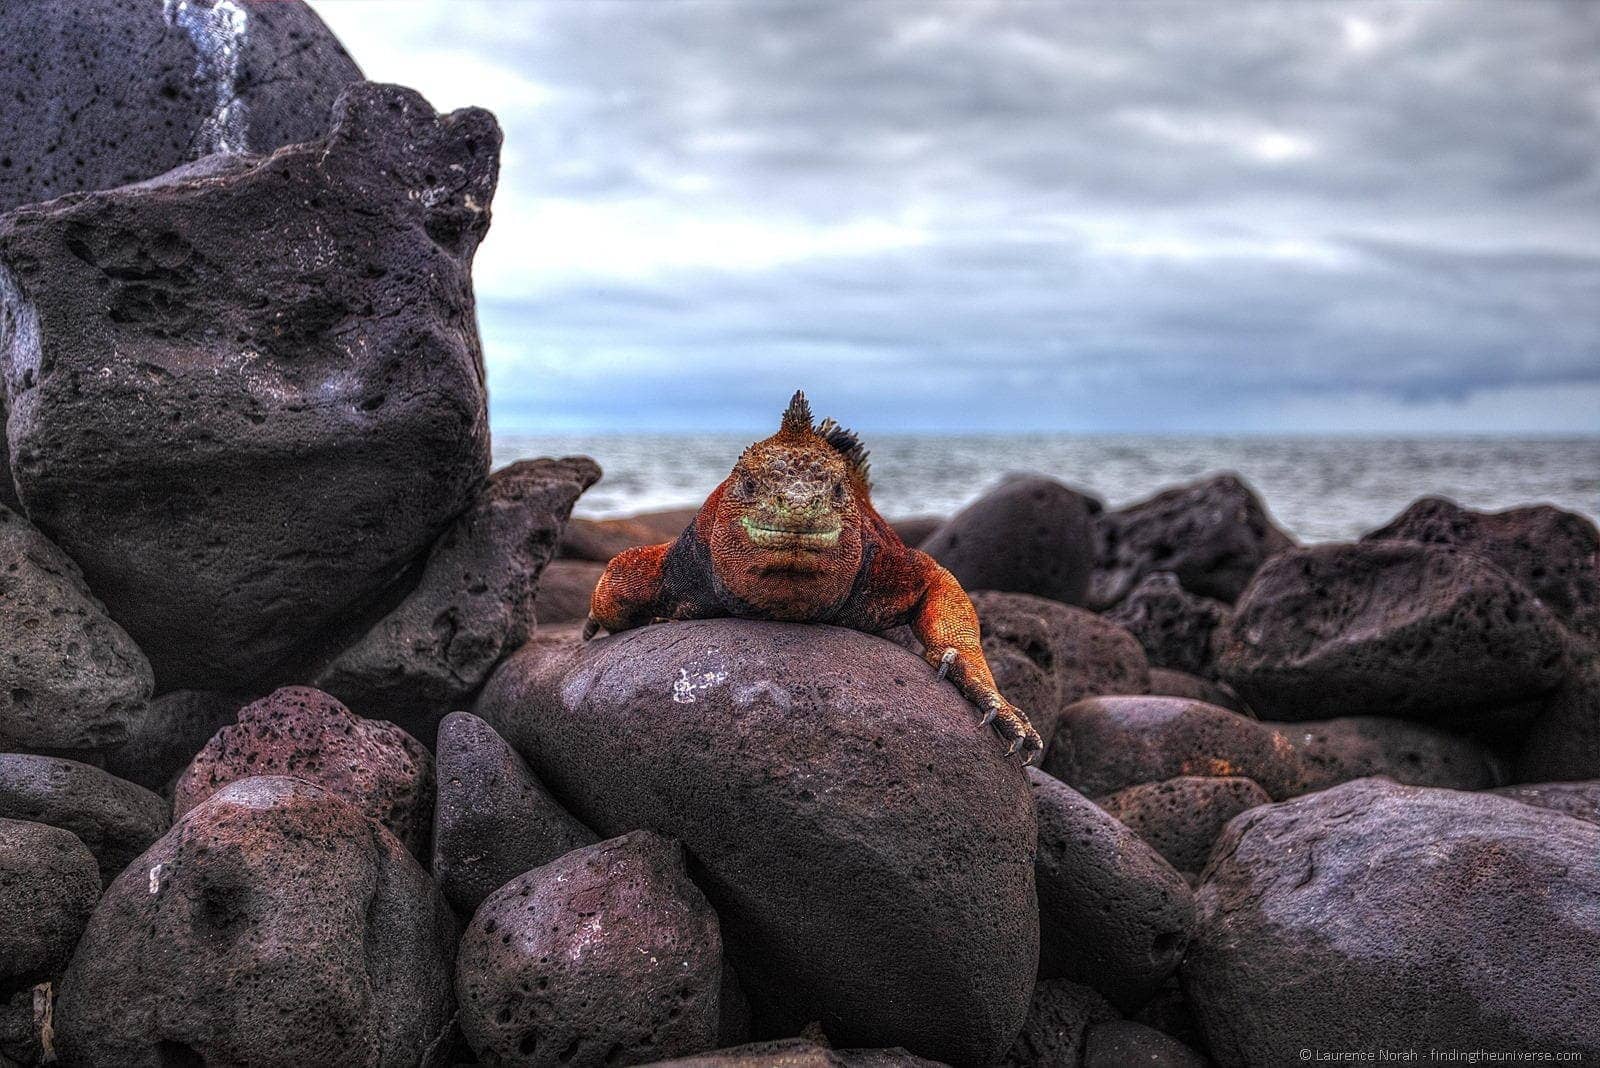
x: 798, y: 1053
x: 1059, y: 1017
x: 1112, y: 913
x: 608, y: 955
x: 1181, y: 817
x: 48, y: 887
x: 1124, y: 1043
x: 565, y: 590
x: 1554, y: 553
x: 299, y: 731
x: 1176, y: 628
x: 1564, y: 742
x: 274, y: 925
x: 114, y: 818
x: 867, y: 848
x: 70, y: 678
x: 1212, y: 534
x: 176, y: 726
x: 1109, y: 743
x: 1579, y: 799
x: 598, y: 540
x: 1393, y: 628
x: 494, y: 819
x: 107, y: 92
x: 1027, y: 535
x: 472, y: 605
x: 248, y: 443
x: 1406, y: 912
x: 1167, y: 682
x: 1333, y: 751
x: 1079, y: 653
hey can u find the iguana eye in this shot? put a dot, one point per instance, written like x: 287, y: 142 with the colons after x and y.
x: 747, y: 486
x: 838, y: 493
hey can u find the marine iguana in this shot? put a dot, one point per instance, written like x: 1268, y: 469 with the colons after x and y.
x: 792, y: 535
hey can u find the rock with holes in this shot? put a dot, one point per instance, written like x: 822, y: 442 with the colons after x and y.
x: 494, y: 820
x: 1059, y: 1018
x: 1109, y: 743
x: 1211, y: 534
x: 1580, y: 799
x: 274, y: 925
x: 798, y: 1053
x: 1165, y: 682
x: 298, y: 731
x: 608, y: 955
x: 1555, y: 554
x: 1564, y: 742
x: 869, y: 851
x: 1079, y: 653
x: 565, y: 589
x: 1407, y: 912
x: 1122, y: 1043
x: 1177, y: 628
x: 114, y: 818
x: 249, y: 444
x: 117, y: 91
x: 472, y: 605
x: 176, y: 726
x: 1392, y: 628
x: 70, y: 679
x: 48, y: 887
x: 1112, y: 913
x: 1181, y: 817
x: 1333, y: 751
x: 1028, y: 535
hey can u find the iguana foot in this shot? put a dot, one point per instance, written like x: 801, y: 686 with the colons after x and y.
x: 1013, y: 726
x: 591, y: 627
x: 945, y: 661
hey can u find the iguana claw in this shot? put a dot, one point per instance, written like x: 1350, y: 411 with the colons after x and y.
x: 591, y: 627
x: 988, y: 718
x: 945, y: 661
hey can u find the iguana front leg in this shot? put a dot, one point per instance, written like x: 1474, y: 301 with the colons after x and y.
x: 947, y: 625
x: 628, y: 592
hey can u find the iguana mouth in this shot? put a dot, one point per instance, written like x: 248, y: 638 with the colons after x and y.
x: 810, y: 536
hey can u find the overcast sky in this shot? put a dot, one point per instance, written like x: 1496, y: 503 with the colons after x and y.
x: 1029, y: 216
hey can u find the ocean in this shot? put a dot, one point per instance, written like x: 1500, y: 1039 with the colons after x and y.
x: 1318, y: 488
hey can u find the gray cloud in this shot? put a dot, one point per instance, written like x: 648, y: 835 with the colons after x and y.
x: 1001, y: 215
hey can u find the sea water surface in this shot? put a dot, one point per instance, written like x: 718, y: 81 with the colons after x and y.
x: 1318, y: 488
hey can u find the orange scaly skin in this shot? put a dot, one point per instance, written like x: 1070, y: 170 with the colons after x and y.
x: 792, y: 535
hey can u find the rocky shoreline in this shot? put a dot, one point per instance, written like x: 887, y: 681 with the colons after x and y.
x: 303, y: 761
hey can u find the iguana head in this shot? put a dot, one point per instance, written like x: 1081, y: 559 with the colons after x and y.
x: 795, y: 501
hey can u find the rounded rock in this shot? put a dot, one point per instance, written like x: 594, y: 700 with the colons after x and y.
x: 116, y: 819
x: 1028, y: 535
x: 1059, y: 1018
x: 1333, y: 751
x: 1180, y: 818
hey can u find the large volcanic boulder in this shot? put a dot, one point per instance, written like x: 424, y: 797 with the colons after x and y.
x: 494, y: 819
x: 247, y: 396
x: 472, y: 605
x: 1565, y: 740
x: 375, y: 766
x: 1333, y: 751
x: 106, y: 92
x: 1028, y: 535
x: 48, y: 887
x: 1390, y: 628
x: 1555, y: 554
x: 868, y: 849
x: 1176, y: 628
x: 606, y: 956
x: 115, y: 819
x: 1180, y: 818
x: 1373, y: 909
x: 1211, y: 534
x: 70, y: 678
x: 274, y: 925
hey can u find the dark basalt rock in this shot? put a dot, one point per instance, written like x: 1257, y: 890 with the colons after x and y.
x: 246, y: 443
x: 472, y: 605
x: 1406, y: 912
x: 48, y: 887
x: 1027, y: 535
x: 1212, y: 534
x: 916, y: 529
x: 1122, y: 1043
x: 598, y: 540
x: 273, y: 925
x: 108, y: 92
x: 115, y: 819
x: 1166, y: 682
x: 175, y: 728
x: 1181, y: 817
x: 1555, y: 554
x: 565, y: 590
x: 1564, y: 742
x: 608, y: 955
x: 1391, y: 628
x: 70, y: 678
x: 798, y: 1053
x: 1109, y: 743
x: 1080, y: 653
x: 373, y: 765
x: 1112, y: 913
x: 868, y: 850
x: 1059, y: 1017
x: 1176, y: 628
x: 1577, y: 799
x: 1333, y: 751
x: 494, y: 820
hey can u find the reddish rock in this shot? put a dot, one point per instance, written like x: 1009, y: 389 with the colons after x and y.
x: 1109, y: 743
x: 115, y: 819
x: 1176, y: 628
x: 1333, y: 751
x: 302, y: 732
x: 1181, y: 817
x: 1027, y: 535
x: 274, y: 926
